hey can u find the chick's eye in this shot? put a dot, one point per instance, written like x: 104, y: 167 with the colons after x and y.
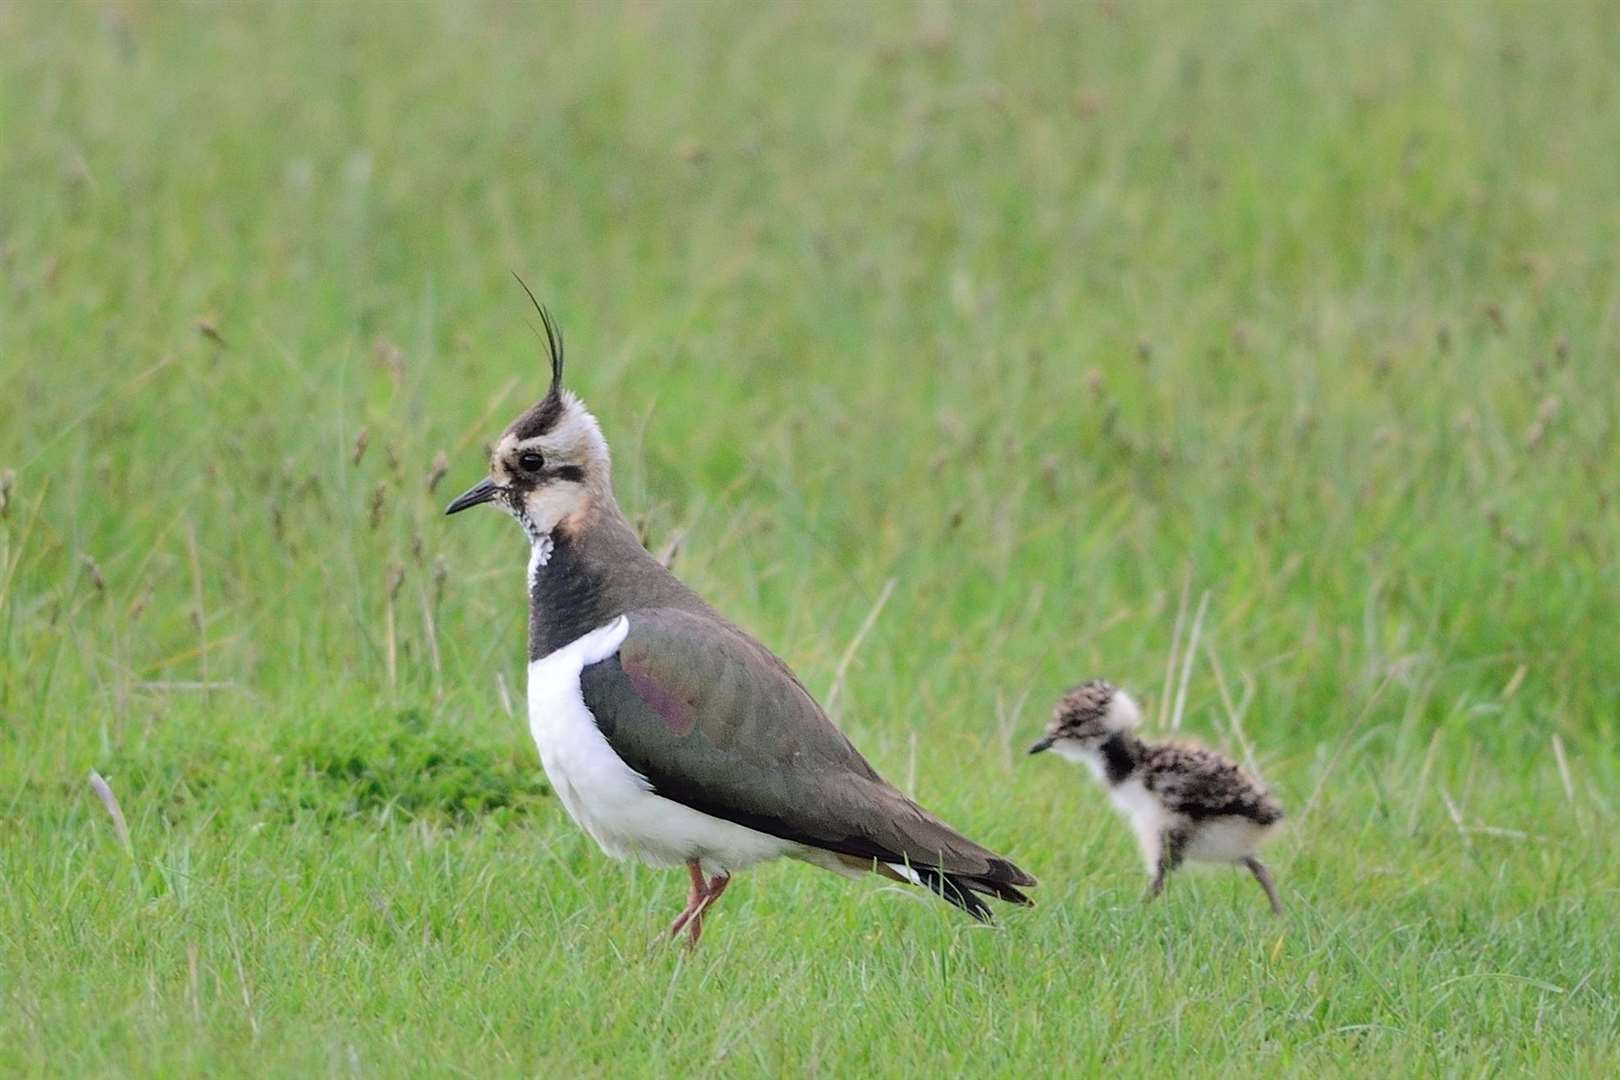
x: 531, y: 461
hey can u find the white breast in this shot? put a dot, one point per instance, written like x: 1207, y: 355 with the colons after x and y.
x: 1146, y: 814
x: 606, y: 797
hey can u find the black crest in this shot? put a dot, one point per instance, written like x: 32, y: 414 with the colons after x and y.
x: 541, y: 418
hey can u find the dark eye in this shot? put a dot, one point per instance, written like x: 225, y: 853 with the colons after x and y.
x: 531, y: 461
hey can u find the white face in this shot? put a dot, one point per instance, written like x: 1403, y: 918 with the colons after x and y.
x: 1076, y: 749
x: 1081, y: 724
x: 549, y: 480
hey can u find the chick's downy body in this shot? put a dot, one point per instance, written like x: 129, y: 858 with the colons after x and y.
x: 1182, y: 801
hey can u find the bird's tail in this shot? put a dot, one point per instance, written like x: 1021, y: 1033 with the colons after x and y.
x: 963, y: 890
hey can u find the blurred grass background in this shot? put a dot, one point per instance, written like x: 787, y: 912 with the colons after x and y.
x: 1083, y: 325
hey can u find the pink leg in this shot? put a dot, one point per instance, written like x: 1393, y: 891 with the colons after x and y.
x: 695, y: 896
x: 711, y: 893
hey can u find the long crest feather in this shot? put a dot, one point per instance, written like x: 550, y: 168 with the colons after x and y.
x: 554, y: 337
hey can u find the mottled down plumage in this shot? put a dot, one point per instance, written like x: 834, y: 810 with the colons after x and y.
x: 1199, y: 783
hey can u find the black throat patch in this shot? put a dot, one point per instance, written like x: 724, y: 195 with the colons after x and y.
x: 567, y: 597
x: 1119, y: 757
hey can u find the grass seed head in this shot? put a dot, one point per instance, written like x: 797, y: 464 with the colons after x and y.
x: 138, y: 605
x: 691, y: 151
x: 441, y: 574
x: 391, y: 358
x: 208, y: 327
x: 1050, y: 464
x: 93, y: 572
x: 1546, y: 412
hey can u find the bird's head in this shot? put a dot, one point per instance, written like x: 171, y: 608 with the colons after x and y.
x: 1085, y: 717
x: 550, y: 465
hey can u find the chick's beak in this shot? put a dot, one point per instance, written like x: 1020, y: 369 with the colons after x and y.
x: 481, y: 492
x: 1043, y: 743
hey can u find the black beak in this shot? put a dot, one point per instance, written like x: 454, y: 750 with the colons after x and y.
x: 1043, y: 743
x: 481, y: 492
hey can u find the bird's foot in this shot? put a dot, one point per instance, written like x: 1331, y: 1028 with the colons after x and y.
x: 699, y: 896
x: 711, y: 893
x: 695, y: 894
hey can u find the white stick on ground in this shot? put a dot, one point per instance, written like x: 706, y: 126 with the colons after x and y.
x: 1187, y: 662
x: 1234, y: 713
x: 110, y: 801
x: 1175, y: 645
x: 854, y: 646
x: 1563, y: 768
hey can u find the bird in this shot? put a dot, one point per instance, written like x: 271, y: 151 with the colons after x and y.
x: 669, y: 733
x: 1183, y: 801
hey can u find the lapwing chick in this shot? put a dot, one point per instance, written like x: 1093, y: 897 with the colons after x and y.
x: 668, y: 733
x: 1183, y: 801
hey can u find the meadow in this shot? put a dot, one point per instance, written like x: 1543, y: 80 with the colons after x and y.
x: 1260, y: 357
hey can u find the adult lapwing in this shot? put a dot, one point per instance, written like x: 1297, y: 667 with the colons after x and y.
x: 669, y: 733
x: 1183, y: 801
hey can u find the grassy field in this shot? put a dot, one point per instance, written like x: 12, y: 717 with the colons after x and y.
x: 1260, y: 357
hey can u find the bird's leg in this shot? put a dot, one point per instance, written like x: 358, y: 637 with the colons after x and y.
x: 1263, y: 876
x: 696, y: 895
x: 1172, y: 843
x: 711, y: 893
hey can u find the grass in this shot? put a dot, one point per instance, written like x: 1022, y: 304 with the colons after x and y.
x: 1073, y: 322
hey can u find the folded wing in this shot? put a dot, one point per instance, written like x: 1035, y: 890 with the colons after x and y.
x: 715, y: 721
